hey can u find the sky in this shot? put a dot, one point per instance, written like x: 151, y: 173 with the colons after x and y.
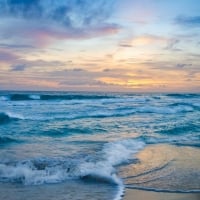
x: 100, y: 45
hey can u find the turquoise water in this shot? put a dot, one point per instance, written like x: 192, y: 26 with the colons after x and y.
x: 67, y: 143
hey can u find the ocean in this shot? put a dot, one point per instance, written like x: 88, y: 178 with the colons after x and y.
x: 83, y: 145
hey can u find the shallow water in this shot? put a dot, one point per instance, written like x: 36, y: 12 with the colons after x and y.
x: 76, y: 190
x: 68, y: 143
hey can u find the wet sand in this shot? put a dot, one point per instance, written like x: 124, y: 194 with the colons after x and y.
x: 131, y: 194
x: 182, y: 163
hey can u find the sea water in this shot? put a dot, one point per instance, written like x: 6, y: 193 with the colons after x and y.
x: 78, y: 145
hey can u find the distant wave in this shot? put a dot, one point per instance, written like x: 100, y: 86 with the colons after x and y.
x: 124, y: 111
x: 26, y: 97
x: 84, y: 96
x: 99, y: 167
x: 193, y: 105
x: 104, y: 98
x: 166, y: 109
x: 183, y: 95
x: 103, y: 113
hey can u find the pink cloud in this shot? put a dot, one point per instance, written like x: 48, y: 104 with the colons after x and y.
x: 7, y: 57
x: 42, y: 37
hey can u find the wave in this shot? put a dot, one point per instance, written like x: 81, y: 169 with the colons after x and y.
x: 181, y: 129
x: 122, y: 112
x: 166, y: 110
x: 26, y: 97
x: 185, y: 140
x: 6, y: 117
x: 34, y: 97
x: 63, y: 131
x: 183, y: 95
x: 125, y: 111
x: 4, y: 98
x: 193, y: 105
x: 6, y: 140
x: 155, y: 169
x: 99, y: 167
x: 84, y: 96
x: 161, y: 190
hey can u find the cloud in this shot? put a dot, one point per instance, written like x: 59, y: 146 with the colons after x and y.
x: 106, y: 70
x: 183, y: 65
x: 78, y: 70
x: 8, y: 57
x: 69, y: 13
x: 40, y: 22
x: 16, y: 46
x: 172, y: 45
x: 125, y: 45
x: 192, y: 21
x: 76, y: 77
x: 43, y: 63
x: 20, y: 67
x: 48, y: 33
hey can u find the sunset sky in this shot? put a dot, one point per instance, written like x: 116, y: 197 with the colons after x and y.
x: 100, y: 45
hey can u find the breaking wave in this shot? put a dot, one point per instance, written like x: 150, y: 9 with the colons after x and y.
x: 6, y: 117
x: 99, y: 167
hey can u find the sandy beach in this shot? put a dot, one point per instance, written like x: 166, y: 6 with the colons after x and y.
x: 183, y: 158
x: 142, y: 195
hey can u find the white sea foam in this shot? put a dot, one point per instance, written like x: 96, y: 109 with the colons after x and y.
x: 4, y: 98
x: 127, y: 100
x: 197, y: 104
x: 34, y: 97
x: 28, y: 175
x: 118, y: 152
x: 15, y: 115
x: 165, y: 110
x: 120, y: 192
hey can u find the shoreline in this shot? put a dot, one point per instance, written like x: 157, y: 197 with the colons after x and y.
x: 176, y: 162
x: 134, y: 194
